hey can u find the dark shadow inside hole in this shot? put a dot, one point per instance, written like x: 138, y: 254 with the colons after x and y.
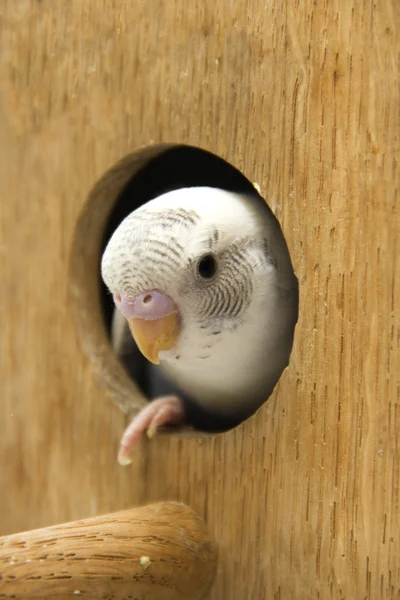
x: 176, y: 167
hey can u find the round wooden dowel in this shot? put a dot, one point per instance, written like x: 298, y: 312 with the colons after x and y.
x: 161, y: 551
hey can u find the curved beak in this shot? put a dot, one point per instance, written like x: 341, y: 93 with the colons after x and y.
x: 153, y: 336
x: 153, y: 319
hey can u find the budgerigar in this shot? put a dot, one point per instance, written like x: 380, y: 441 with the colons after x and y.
x: 204, y: 279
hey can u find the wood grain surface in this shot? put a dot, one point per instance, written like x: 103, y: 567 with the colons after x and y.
x: 158, y: 551
x: 302, y: 96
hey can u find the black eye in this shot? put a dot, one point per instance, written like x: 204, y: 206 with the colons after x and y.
x: 207, y: 266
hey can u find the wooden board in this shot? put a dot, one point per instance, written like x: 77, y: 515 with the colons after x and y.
x: 303, y: 97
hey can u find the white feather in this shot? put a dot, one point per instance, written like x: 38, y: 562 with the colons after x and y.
x: 243, y: 364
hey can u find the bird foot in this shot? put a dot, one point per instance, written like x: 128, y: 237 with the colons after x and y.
x: 167, y: 410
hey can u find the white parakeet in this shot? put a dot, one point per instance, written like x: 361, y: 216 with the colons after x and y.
x: 204, y: 279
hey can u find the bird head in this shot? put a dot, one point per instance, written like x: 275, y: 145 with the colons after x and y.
x: 195, y: 272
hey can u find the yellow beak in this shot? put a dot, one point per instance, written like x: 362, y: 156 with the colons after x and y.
x: 153, y: 336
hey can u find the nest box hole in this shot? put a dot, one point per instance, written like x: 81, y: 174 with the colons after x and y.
x: 133, y: 182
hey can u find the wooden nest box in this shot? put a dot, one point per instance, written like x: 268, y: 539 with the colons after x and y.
x: 303, y: 498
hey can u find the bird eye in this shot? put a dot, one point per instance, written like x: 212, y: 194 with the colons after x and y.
x: 207, y: 266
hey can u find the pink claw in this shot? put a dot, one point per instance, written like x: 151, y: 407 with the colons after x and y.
x: 164, y: 411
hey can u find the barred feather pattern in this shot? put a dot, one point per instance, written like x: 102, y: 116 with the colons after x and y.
x: 237, y: 326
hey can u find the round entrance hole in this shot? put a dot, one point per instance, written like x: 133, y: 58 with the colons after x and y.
x: 131, y: 183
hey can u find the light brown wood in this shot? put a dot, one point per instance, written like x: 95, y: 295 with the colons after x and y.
x: 303, y: 97
x: 159, y: 551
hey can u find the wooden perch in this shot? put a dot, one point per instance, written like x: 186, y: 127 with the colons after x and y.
x: 158, y: 551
